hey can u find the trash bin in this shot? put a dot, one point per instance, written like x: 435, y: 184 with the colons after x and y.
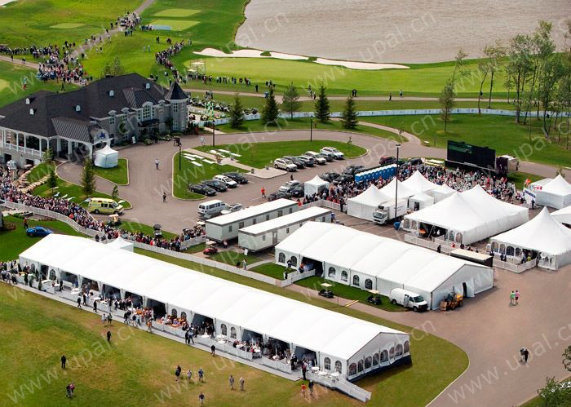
x: 397, y: 225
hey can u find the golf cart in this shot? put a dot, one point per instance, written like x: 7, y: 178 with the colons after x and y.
x: 374, y: 298
x: 451, y: 302
x: 158, y: 232
x: 114, y: 220
x: 325, y: 291
x: 210, y: 248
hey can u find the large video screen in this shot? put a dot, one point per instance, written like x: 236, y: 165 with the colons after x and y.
x: 461, y: 152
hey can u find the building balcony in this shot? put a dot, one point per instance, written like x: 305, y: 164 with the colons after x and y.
x: 22, y: 150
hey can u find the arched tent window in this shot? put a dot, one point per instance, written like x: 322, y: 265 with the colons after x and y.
x: 233, y: 333
x: 391, y: 353
x: 384, y: 356
x: 405, y: 223
x: 517, y: 252
x: 413, y: 225
x: 174, y: 313
x: 224, y: 329
x: 331, y: 272
x: 352, y: 369
x: 338, y: 366
x: 494, y: 246
x: 451, y: 235
x: 368, y: 284
x: 327, y: 364
x: 458, y: 237
x: 376, y: 359
x: 399, y: 350
x: 281, y: 258
x: 368, y: 362
x: 406, y: 347
x: 355, y: 280
x: 344, y: 276
x: 293, y: 260
x: 183, y: 315
x: 510, y: 251
x: 360, y: 366
x: 502, y: 248
x: 52, y: 274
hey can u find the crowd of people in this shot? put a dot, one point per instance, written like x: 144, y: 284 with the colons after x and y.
x: 164, y: 57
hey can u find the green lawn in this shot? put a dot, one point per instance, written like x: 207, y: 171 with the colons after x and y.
x: 436, y: 362
x: 118, y: 175
x: 191, y: 174
x: 13, y: 242
x: 232, y: 257
x: 28, y: 22
x: 518, y: 178
x: 348, y: 292
x: 196, y: 248
x: 258, y: 155
x: 270, y: 269
x: 498, y: 132
x: 136, y: 227
x: 39, y: 172
x: 72, y: 190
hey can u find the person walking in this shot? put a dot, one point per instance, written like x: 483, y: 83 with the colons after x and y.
x: 242, y: 382
x: 516, y: 297
x: 164, y: 197
x: 310, y: 386
x: 157, y: 162
x: 524, y: 354
x: 263, y: 192
x: 189, y: 375
x: 69, y: 390
x: 213, y: 350
x: 177, y: 372
x: 304, y: 370
x: 303, y: 390
x: 109, y: 318
x: 244, y: 264
x: 149, y: 326
x: 108, y: 336
x: 95, y: 306
x: 200, y: 375
x: 512, y: 298
x: 104, y: 319
x: 63, y: 361
x: 201, y: 398
x: 78, y: 302
x: 187, y: 337
x: 231, y: 382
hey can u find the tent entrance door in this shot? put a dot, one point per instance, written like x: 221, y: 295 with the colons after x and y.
x: 274, y: 238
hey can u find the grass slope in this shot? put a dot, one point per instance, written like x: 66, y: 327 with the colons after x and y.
x: 259, y: 154
x: 119, y: 175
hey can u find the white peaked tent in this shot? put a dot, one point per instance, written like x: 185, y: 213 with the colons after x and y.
x: 468, y: 217
x: 314, y: 186
x: 418, y: 183
x: 544, y: 235
x: 441, y: 192
x: 364, y: 205
x: 556, y: 193
x: 420, y: 201
x: 563, y: 215
x: 370, y: 262
x: 121, y: 243
x: 403, y: 191
x: 106, y: 157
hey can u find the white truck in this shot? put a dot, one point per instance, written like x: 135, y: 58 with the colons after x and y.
x: 408, y: 299
x: 386, y: 211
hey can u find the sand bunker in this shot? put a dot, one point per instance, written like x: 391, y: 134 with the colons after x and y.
x: 4, y: 2
x: 67, y: 26
x: 254, y: 53
x: 397, y: 31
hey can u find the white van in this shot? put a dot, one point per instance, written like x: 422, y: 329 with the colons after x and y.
x: 408, y: 299
x: 210, y: 209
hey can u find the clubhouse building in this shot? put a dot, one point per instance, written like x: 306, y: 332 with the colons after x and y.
x: 74, y: 124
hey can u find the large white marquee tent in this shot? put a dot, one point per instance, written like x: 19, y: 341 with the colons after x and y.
x: 544, y: 235
x: 372, y: 262
x: 364, y: 205
x: 315, y: 186
x: 467, y: 217
x: 418, y: 183
x: 352, y: 346
x: 563, y: 215
x: 555, y: 193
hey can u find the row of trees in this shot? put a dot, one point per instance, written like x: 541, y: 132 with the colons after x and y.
x: 539, y: 77
x: 291, y: 104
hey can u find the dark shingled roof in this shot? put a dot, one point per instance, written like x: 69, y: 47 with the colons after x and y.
x: 176, y: 93
x: 94, y: 100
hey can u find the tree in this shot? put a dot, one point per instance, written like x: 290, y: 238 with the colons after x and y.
x: 446, y: 101
x: 567, y: 358
x: 494, y: 53
x: 270, y: 111
x: 291, y: 101
x: 554, y: 394
x: 552, y: 71
x: 322, y: 112
x: 88, y: 177
x: 484, y: 68
x: 236, y: 113
x: 114, y: 69
x: 52, y: 179
x: 48, y: 155
x: 115, y: 193
x: 349, y: 119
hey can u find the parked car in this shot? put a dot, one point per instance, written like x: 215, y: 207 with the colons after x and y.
x: 210, y: 250
x: 38, y: 231
x: 230, y: 183
x: 236, y: 176
x: 202, y: 189
x: 232, y: 208
x: 104, y: 205
x: 329, y: 176
x: 283, y: 164
x: 332, y: 151
x: 278, y: 195
x: 319, y: 159
x: 414, y: 161
x: 308, y: 161
x: 297, y: 191
x: 219, y: 186
x: 408, y: 299
x: 326, y: 293
x: 289, y: 185
x: 353, y: 169
x: 387, y: 160
x: 210, y: 209
x: 296, y: 160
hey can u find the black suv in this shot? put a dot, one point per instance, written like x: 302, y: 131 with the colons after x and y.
x: 236, y: 176
x: 217, y: 185
x: 329, y: 176
x: 202, y: 189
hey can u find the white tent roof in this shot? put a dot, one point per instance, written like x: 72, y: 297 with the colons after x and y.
x: 418, y: 183
x: 121, y: 243
x: 445, y: 189
x: 302, y: 324
x: 563, y: 215
x: 371, y: 196
x: 317, y: 182
x: 557, y: 186
x: 542, y: 234
x: 422, y: 197
x: 474, y: 213
x: 372, y: 255
x: 403, y: 191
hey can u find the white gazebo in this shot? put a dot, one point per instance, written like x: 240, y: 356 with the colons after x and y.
x: 315, y: 186
x: 366, y: 203
x: 106, y: 157
x: 549, y: 239
x: 555, y: 193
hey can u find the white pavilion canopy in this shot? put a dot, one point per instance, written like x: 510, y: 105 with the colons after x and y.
x: 418, y: 183
x: 555, y: 193
x: 563, y: 215
x: 364, y: 205
x: 314, y: 186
